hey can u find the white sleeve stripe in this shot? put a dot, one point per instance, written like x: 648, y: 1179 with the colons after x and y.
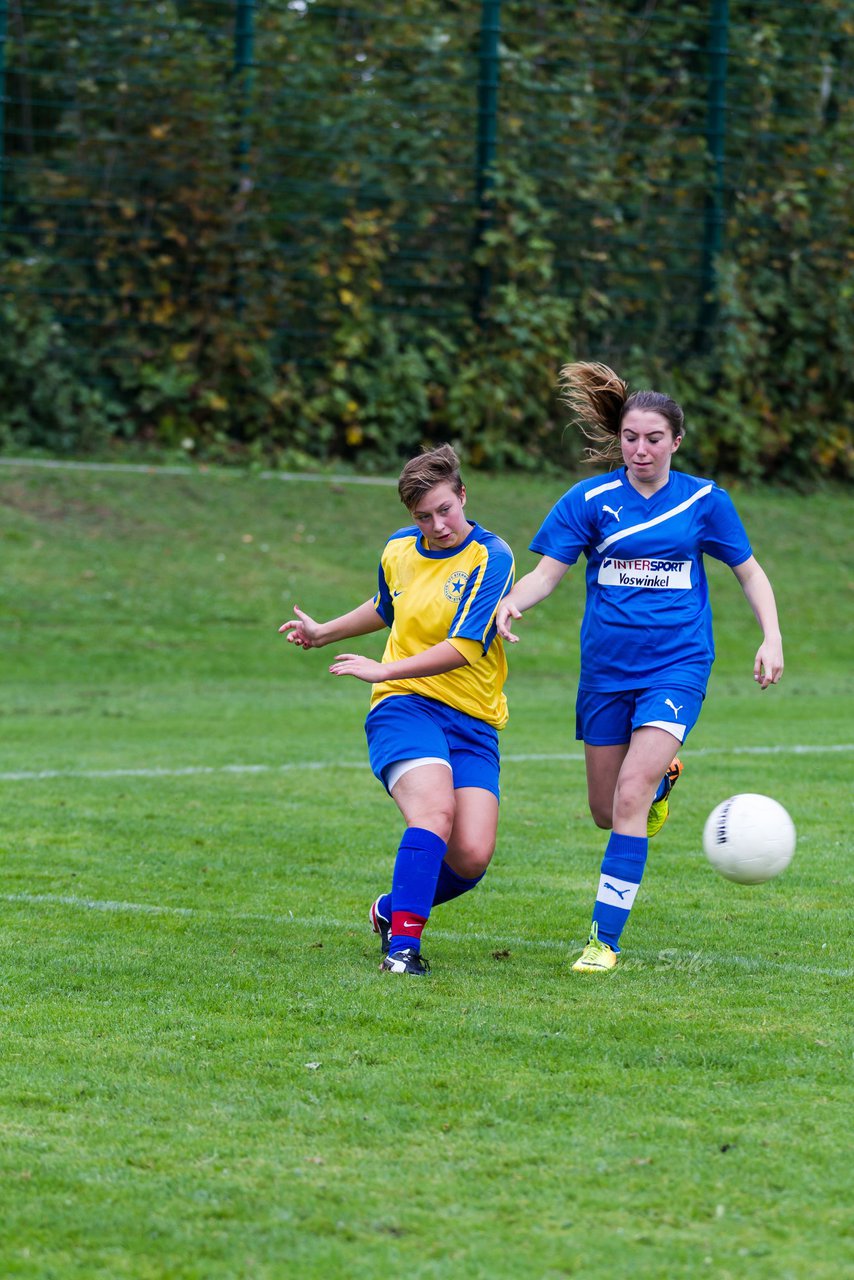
x: 602, y: 488
x: 455, y: 633
x: 667, y: 515
x: 508, y: 583
x: 478, y: 574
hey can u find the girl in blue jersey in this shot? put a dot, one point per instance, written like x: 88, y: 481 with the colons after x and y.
x: 646, y: 635
x: 438, y: 697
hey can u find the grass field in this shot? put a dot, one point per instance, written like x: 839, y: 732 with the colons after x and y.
x: 203, y: 1072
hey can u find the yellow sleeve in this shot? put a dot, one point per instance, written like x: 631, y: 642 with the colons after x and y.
x: 471, y: 650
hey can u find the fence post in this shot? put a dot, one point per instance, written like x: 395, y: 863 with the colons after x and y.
x: 244, y: 48
x: 244, y: 41
x: 4, y: 16
x: 713, y: 224
x: 487, y: 136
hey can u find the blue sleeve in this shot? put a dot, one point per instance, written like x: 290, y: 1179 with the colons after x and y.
x: 724, y: 536
x: 382, y: 600
x: 487, y: 585
x: 565, y: 532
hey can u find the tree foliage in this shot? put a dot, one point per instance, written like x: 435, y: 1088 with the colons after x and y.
x: 293, y: 257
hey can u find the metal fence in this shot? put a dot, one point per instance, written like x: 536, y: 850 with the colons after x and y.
x: 630, y: 144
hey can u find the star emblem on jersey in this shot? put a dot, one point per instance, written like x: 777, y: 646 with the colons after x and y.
x: 456, y: 585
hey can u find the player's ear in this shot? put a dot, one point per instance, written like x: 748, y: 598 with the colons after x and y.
x: 463, y: 496
x: 676, y: 443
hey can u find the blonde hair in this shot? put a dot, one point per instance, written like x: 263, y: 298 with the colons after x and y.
x: 599, y: 400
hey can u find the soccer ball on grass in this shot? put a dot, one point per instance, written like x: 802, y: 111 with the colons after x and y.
x: 749, y: 838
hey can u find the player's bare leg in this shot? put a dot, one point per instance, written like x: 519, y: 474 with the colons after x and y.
x: 648, y: 756
x: 424, y: 795
x: 470, y: 848
x: 472, y: 840
x: 603, y: 770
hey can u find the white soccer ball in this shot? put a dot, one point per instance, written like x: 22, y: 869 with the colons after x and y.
x: 749, y: 838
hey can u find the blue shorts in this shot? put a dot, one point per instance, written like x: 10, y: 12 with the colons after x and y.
x: 610, y: 719
x: 407, y: 726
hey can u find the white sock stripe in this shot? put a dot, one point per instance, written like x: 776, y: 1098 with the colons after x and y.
x: 614, y: 892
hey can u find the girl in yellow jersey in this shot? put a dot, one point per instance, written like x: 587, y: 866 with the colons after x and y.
x: 438, y: 698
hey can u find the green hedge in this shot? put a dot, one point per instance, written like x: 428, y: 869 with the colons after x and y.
x: 288, y: 263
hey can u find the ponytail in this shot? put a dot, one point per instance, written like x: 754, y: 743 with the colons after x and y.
x: 599, y: 400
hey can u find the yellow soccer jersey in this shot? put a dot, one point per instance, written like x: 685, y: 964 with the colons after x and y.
x: 426, y: 597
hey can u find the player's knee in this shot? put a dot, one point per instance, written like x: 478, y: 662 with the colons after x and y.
x: 471, y: 846
x: 602, y: 816
x: 633, y: 796
x: 470, y: 857
x: 435, y: 819
x: 442, y: 820
x: 601, y: 806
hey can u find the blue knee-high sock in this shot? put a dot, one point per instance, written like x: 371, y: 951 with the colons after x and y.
x: 448, y: 886
x: 622, y: 871
x: 413, y: 886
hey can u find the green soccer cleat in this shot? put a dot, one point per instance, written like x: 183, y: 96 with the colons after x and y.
x: 597, y: 957
x: 656, y: 817
x: 661, y: 808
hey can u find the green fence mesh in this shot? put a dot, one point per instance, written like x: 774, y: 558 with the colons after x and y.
x: 169, y: 169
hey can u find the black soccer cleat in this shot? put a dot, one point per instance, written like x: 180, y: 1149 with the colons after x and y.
x: 380, y: 925
x: 407, y: 961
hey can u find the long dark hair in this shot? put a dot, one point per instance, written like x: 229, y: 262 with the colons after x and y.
x: 599, y: 400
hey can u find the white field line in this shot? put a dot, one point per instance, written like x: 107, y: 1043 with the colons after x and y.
x: 188, y: 771
x: 126, y: 468
x: 638, y: 958
x: 95, y: 904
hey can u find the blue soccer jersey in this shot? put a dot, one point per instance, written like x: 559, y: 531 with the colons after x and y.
x: 647, y: 612
x: 427, y: 596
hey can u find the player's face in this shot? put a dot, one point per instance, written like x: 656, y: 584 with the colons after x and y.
x: 441, y: 518
x: 648, y: 444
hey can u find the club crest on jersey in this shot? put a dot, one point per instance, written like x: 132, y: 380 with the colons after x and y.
x: 456, y: 585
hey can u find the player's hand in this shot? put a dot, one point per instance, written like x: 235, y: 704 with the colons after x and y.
x: 352, y: 664
x: 768, y: 665
x: 302, y: 631
x: 503, y: 625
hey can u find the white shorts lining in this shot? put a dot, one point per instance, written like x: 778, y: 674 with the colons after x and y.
x: 677, y: 730
x: 396, y: 771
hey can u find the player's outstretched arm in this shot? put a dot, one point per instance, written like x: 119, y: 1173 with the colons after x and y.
x: 528, y: 591
x: 306, y: 633
x: 434, y: 661
x: 768, y: 663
